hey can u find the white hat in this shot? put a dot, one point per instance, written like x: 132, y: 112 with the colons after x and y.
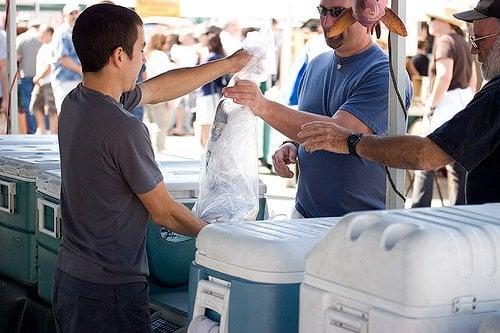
x: 445, y: 14
x: 71, y: 7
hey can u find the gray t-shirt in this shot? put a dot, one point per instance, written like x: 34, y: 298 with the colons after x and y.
x: 106, y: 160
x: 27, y: 47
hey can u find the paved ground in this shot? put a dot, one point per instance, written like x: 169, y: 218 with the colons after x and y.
x: 279, y: 193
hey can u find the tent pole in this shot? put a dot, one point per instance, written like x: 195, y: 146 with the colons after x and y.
x: 397, y: 121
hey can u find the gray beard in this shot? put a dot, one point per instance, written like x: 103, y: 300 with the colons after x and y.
x: 491, y: 66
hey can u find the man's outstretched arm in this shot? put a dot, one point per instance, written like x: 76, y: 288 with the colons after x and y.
x: 179, y: 82
x: 396, y: 151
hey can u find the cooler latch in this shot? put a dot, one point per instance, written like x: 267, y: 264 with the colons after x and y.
x: 343, y: 319
x: 213, y: 295
x: 464, y: 304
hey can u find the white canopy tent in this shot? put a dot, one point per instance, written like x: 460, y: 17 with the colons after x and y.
x: 284, y: 10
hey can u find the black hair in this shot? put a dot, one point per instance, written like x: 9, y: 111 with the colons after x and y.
x: 100, y: 30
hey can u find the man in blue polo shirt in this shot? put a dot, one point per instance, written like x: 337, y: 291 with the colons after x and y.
x: 471, y: 138
x: 349, y: 87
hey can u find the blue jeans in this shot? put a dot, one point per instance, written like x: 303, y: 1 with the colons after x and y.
x: 26, y: 88
x: 81, y: 306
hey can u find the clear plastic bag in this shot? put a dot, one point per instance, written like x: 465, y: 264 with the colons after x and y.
x: 229, y: 186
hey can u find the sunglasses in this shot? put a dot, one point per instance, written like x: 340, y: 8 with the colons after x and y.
x: 334, y: 12
x: 474, y: 41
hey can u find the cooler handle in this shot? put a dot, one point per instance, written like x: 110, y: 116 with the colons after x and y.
x: 11, y: 192
x: 340, y: 321
x: 213, y: 296
x: 56, y: 233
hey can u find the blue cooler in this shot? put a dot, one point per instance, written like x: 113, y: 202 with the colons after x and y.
x: 247, y: 275
x: 18, y: 174
x: 169, y: 254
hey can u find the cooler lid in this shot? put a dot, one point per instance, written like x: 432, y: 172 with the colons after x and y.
x: 416, y: 262
x: 167, y: 159
x: 49, y: 183
x: 10, y: 139
x: 28, y: 167
x: 31, y: 149
x: 182, y: 181
x: 264, y: 251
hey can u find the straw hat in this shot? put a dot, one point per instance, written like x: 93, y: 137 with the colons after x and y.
x: 445, y: 14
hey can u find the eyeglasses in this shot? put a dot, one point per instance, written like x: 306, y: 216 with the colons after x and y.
x: 474, y: 41
x: 335, y: 11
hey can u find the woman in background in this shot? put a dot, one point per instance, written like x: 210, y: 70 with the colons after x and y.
x: 210, y: 93
x: 453, y: 84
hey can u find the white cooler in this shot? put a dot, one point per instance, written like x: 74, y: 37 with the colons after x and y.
x: 247, y: 275
x: 432, y: 270
x: 14, y: 139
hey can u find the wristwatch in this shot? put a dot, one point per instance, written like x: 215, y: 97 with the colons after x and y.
x: 352, y: 141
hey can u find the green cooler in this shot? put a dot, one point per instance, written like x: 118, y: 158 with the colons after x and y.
x: 18, y: 252
x: 48, y: 234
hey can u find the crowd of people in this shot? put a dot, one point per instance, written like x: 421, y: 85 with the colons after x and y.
x: 49, y: 69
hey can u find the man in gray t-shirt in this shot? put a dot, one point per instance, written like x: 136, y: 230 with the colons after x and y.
x: 110, y: 180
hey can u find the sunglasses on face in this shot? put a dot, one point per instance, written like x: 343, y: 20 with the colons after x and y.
x: 475, y: 41
x: 334, y: 12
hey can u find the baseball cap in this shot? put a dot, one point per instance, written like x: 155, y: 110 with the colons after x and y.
x: 484, y: 9
x: 71, y: 7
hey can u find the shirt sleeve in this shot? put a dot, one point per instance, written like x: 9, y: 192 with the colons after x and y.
x: 474, y: 133
x: 63, y: 46
x: 132, y: 98
x: 444, y: 48
x: 132, y: 154
x: 368, y: 101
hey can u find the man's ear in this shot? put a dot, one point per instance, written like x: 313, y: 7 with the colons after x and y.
x: 117, y: 58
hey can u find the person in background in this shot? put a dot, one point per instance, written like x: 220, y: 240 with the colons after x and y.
x: 42, y: 97
x: 67, y: 68
x: 211, y: 92
x: 158, y: 62
x: 421, y: 60
x: 138, y: 111
x: 4, y: 93
x: 453, y: 84
x: 28, y: 44
x: 185, y: 54
x: 347, y: 85
x: 471, y: 138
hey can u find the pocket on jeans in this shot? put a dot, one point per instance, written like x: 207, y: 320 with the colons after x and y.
x: 133, y: 314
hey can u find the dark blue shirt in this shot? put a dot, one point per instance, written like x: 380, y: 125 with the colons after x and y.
x: 472, y: 139
x: 214, y: 87
x: 334, y: 184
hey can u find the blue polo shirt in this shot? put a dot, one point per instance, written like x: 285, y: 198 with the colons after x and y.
x: 335, y: 184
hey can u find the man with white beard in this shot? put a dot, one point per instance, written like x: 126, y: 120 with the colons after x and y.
x: 471, y: 138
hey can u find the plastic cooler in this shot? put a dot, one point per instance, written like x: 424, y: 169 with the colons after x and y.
x: 423, y: 270
x: 28, y: 149
x: 11, y: 139
x: 18, y: 255
x: 170, y: 255
x: 247, y: 275
x: 48, y: 235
